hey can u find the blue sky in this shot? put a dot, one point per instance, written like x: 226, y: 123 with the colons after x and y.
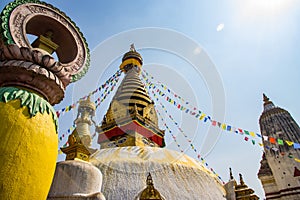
x: 256, y: 52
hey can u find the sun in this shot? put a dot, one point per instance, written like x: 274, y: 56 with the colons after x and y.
x: 265, y: 7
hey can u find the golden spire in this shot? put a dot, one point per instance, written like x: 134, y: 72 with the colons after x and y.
x: 267, y: 103
x: 230, y: 173
x: 80, y: 139
x: 131, y: 59
x: 266, y: 99
x: 131, y: 119
x: 241, y: 180
x: 76, y: 149
x: 150, y: 192
x: 87, y: 104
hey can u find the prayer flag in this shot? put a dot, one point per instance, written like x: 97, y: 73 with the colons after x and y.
x: 240, y: 131
x: 258, y: 135
x: 252, y: 134
x: 253, y: 142
x: 213, y: 123
x: 224, y: 126
x: 202, y: 116
x: 296, y: 146
x: 246, y: 132
x: 280, y: 142
x: 228, y: 128
x: 265, y: 137
x: 246, y: 138
x: 289, y: 143
x: 272, y: 140
x: 297, y: 160
x: 275, y: 149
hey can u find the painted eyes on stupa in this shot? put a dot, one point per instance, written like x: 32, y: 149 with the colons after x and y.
x: 115, y: 143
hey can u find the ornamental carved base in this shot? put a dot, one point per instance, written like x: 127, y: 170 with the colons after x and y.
x: 33, y: 69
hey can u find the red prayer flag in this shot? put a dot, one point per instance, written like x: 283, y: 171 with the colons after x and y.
x: 272, y: 140
x: 213, y: 123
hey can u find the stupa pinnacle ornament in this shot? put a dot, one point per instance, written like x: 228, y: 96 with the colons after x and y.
x: 150, y: 193
x: 80, y: 139
x: 131, y: 119
x: 240, y: 191
x: 31, y: 80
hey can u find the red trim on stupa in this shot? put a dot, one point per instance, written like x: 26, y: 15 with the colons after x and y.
x: 132, y: 126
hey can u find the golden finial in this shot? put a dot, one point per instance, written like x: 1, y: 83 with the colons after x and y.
x: 150, y: 192
x: 87, y: 103
x: 132, y: 48
x: 76, y: 149
x: 265, y: 98
x: 241, y: 180
x: 130, y: 59
x: 149, y: 180
x: 230, y: 173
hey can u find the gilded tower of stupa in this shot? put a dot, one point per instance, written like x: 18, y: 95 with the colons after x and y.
x: 131, y: 119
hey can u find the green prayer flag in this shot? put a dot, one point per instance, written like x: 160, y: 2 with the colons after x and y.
x: 280, y: 142
x: 246, y: 132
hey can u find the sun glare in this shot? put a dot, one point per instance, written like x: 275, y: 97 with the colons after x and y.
x: 265, y: 7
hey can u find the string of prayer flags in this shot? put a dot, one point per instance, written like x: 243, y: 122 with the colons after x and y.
x: 180, y: 103
x: 192, y: 146
x: 277, y: 150
x: 191, y: 109
x: 110, y: 82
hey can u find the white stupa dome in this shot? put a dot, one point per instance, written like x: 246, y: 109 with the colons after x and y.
x: 175, y: 175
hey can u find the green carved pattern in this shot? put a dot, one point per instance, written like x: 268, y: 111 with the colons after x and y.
x: 7, y: 37
x: 33, y: 102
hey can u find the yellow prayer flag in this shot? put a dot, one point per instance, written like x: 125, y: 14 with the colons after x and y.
x: 223, y: 126
x: 252, y: 134
x: 260, y: 144
x: 290, y: 143
x: 202, y: 116
x: 297, y: 160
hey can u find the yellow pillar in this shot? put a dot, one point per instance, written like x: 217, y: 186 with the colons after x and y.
x: 27, y: 131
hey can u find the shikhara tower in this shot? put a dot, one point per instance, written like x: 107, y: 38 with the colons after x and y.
x: 279, y: 172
